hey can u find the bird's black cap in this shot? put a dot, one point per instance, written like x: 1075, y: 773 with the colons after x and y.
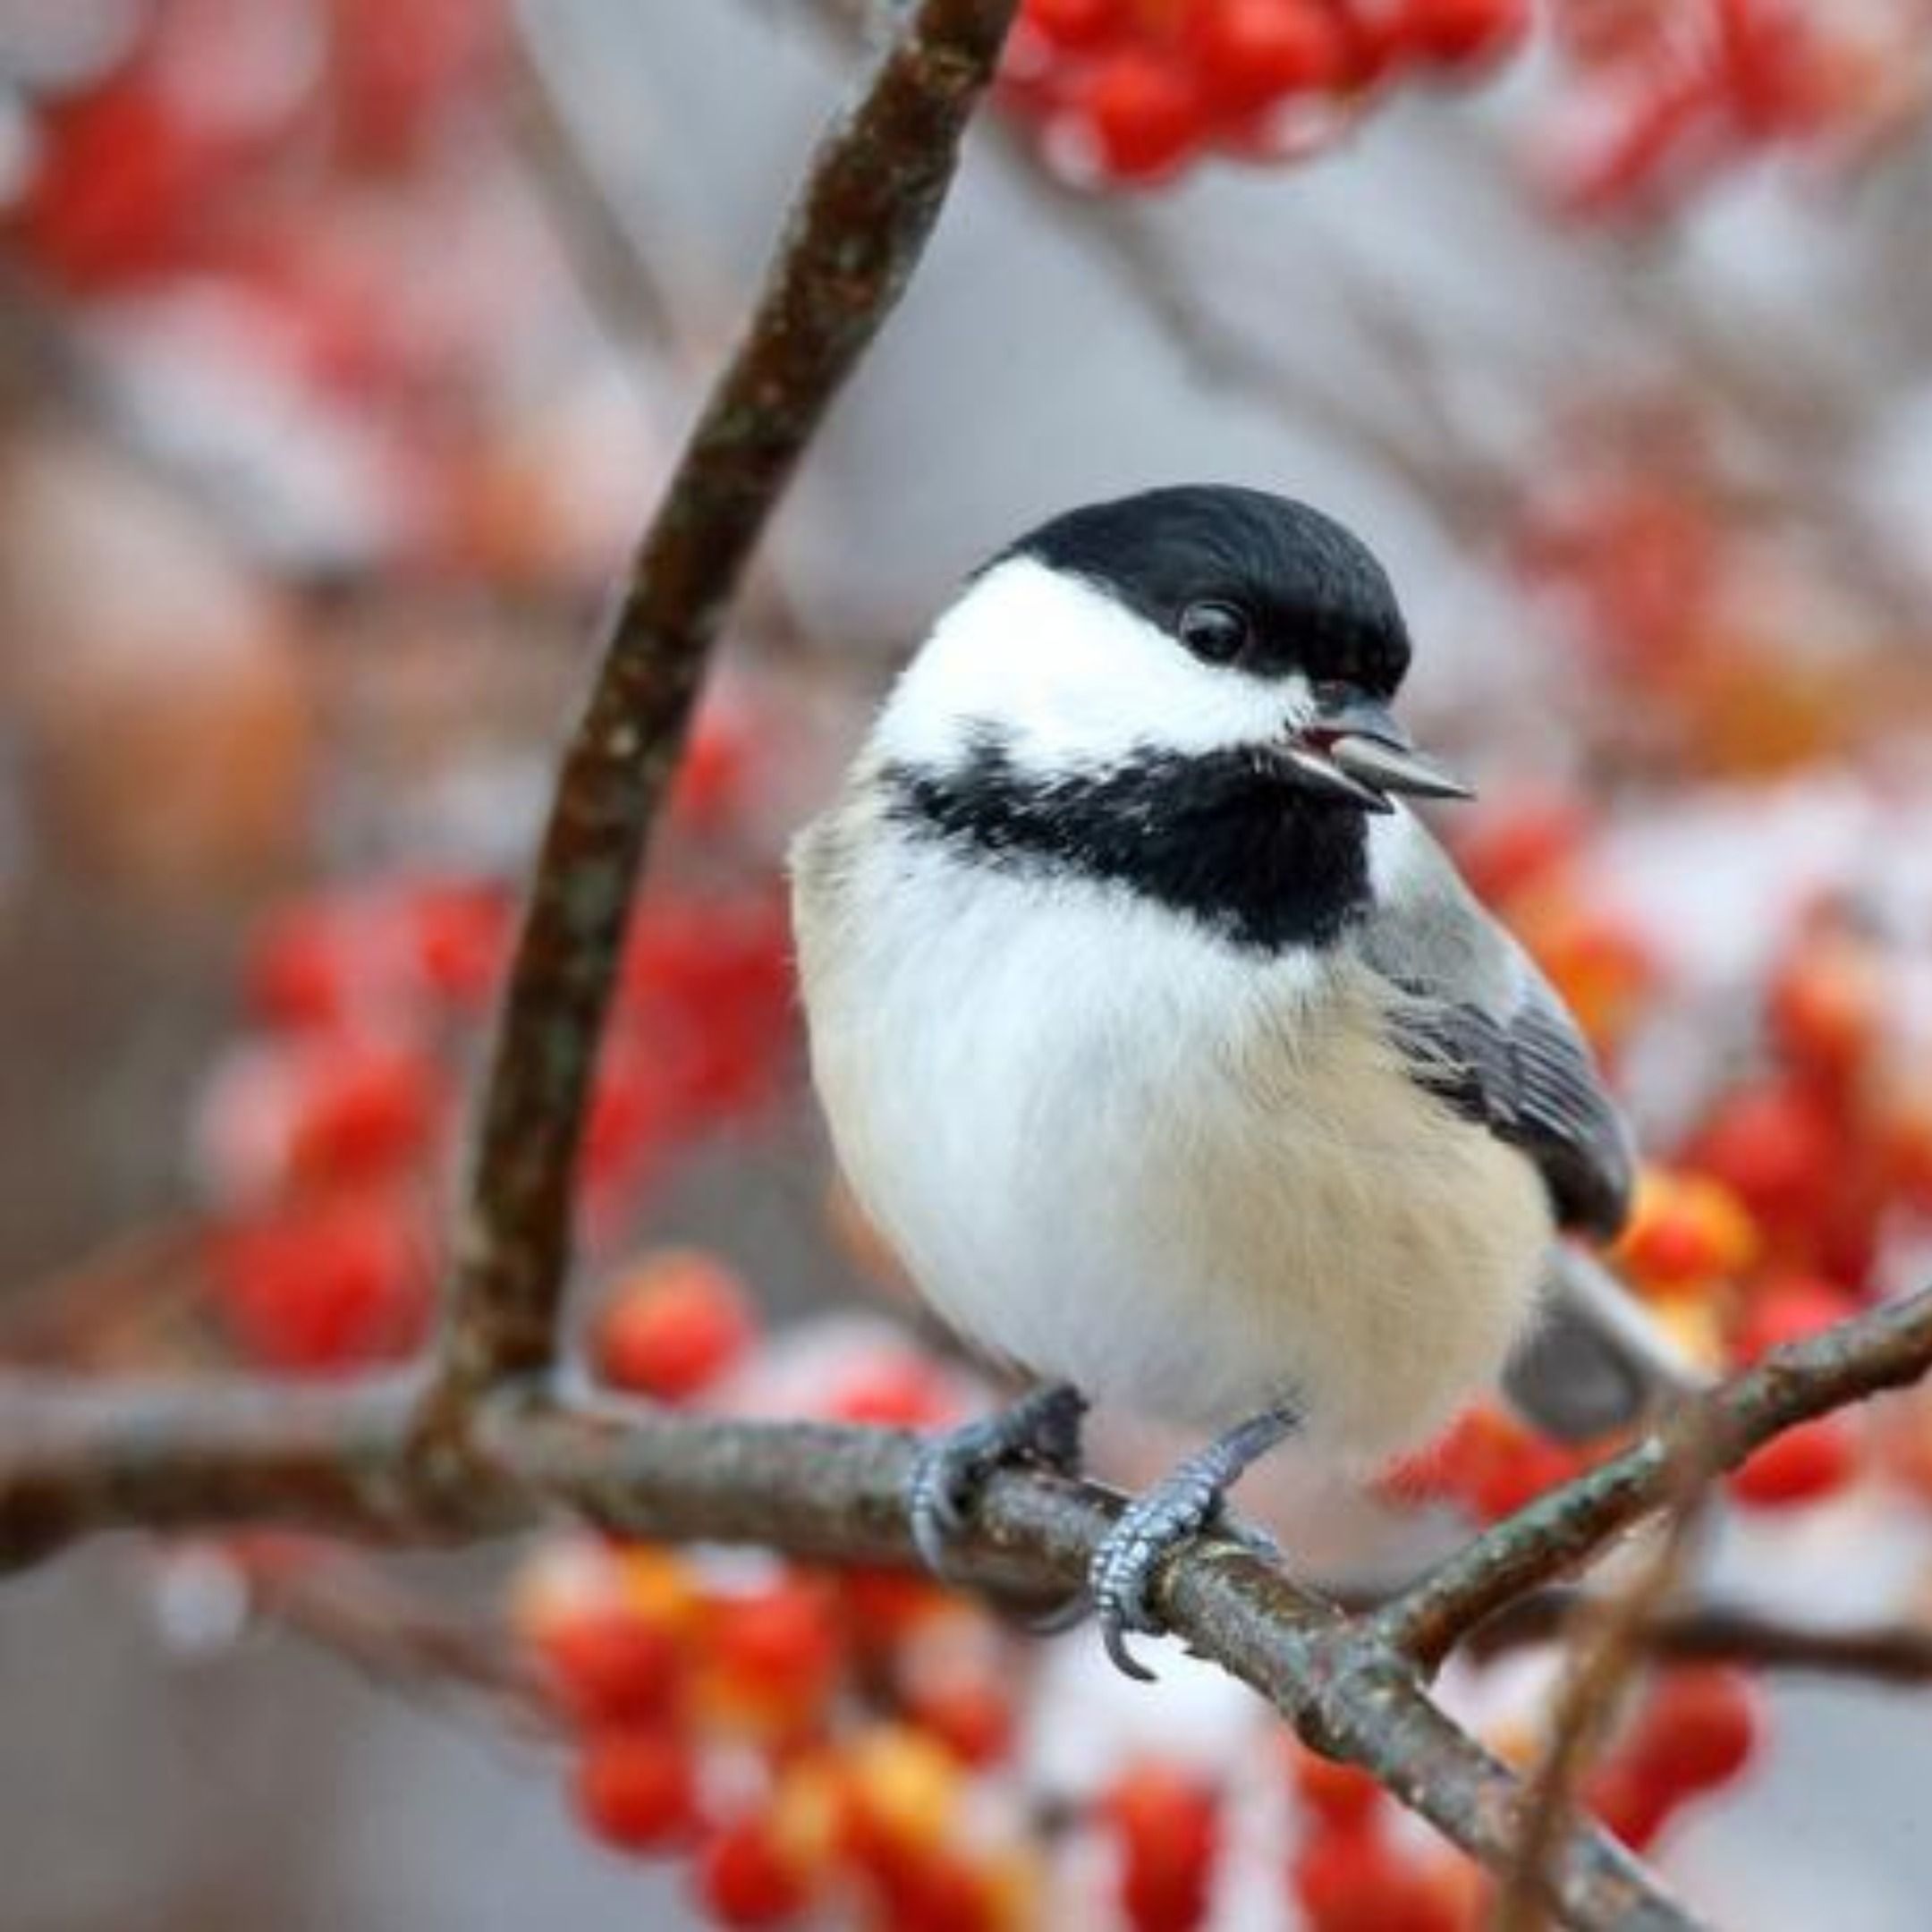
x: 1315, y: 598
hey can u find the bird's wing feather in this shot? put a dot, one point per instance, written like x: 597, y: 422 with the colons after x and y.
x: 1486, y: 1032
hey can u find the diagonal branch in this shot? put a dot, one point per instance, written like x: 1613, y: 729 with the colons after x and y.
x: 1889, y: 1348
x: 869, y: 204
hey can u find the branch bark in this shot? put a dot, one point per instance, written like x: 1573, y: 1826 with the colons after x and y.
x: 868, y: 205
x: 75, y: 1462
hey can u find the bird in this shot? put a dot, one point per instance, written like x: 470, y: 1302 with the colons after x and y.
x: 1168, y: 1048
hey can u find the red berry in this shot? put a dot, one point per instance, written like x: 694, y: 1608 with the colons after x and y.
x: 784, y: 1639
x: 120, y: 187
x: 611, y: 1667
x: 1143, y: 112
x: 1824, y: 1007
x: 1336, y: 1797
x: 637, y: 1789
x: 711, y: 780
x: 1079, y: 25
x: 297, y: 969
x: 1520, y: 843
x: 1632, y: 1802
x: 1788, y: 1308
x: 1700, y: 1730
x: 1461, y: 33
x: 365, y: 1112
x: 323, y: 1288
x: 462, y: 934
x: 673, y: 1328
x: 1170, y: 1834
x: 972, y: 1717
x: 1355, y: 1881
x: 1776, y: 1148
x: 1803, y: 1465
x: 891, y: 1390
x: 745, y: 1879
x: 1514, y: 1481
x: 396, y: 68
x: 1252, y: 53
x: 933, y: 1890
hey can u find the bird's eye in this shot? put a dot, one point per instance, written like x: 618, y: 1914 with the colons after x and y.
x: 1214, y: 630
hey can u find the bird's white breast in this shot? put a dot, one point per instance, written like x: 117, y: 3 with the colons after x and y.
x: 1118, y: 1151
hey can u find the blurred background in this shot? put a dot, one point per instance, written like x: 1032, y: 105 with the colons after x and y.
x: 344, y: 347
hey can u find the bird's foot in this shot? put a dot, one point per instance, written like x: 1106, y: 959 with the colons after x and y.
x: 1156, y: 1523
x: 1042, y: 1429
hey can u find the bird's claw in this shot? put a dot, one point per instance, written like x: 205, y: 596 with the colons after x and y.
x: 1120, y: 1577
x: 1157, y: 1522
x: 1042, y: 1429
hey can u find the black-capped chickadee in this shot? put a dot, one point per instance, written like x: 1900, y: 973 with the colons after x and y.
x: 1164, y: 1045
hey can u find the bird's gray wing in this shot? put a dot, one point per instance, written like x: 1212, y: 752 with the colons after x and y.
x: 1486, y: 1032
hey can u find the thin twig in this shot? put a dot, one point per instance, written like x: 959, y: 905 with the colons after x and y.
x: 1606, y: 1649
x: 870, y: 202
x: 392, y: 1637
x: 1722, y: 1633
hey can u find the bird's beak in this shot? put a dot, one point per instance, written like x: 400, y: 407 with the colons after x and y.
x: 1354, y: 750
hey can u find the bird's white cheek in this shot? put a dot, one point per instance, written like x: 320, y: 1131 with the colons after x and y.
x: 1072, y: 679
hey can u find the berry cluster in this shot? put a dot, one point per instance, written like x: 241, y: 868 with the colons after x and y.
x: 1766, y: 1223
x: 800, y: 1739
x: 326, y: 1130
x: 193, y: 140
x: 1663, y: 96
x: 1131, y: 92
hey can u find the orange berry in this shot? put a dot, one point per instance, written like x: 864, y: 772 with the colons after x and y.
x: 1824, y: 1006
x: 1686, y: 1229
x: 902, y: 1794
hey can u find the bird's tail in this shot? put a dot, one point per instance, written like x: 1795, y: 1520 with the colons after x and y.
x: 1598, y: 1360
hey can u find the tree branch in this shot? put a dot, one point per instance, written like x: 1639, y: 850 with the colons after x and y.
x: 869, y: 204
x: 1889, y: 1348
x: 1897, y: 1653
